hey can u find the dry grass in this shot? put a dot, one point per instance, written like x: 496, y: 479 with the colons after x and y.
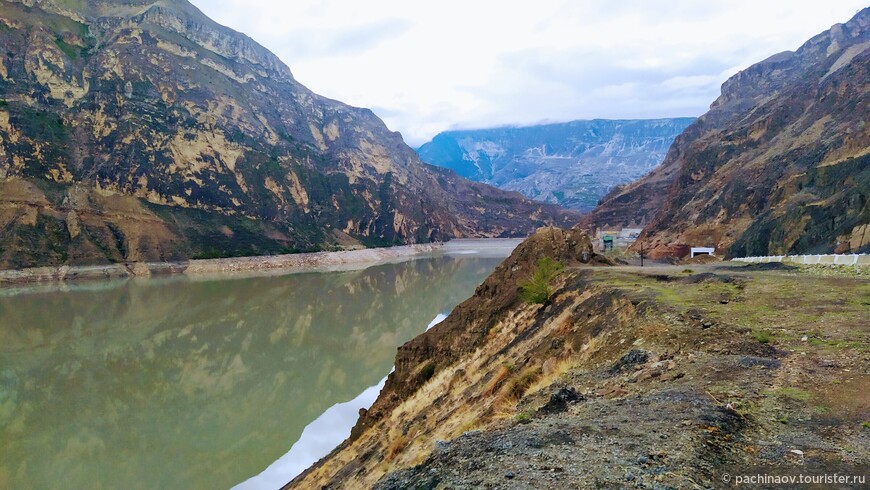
x: 550, y: 374
x: 498, y: 379
x: 503, y: 409
x: 396, y: 445
x: 488, y: 387
x: 519, y: 384
x: 504, y: 404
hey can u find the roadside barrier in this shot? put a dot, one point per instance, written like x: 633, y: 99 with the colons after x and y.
x: 829, y: 259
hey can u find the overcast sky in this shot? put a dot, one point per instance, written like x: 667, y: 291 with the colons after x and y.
x: 429, y: 66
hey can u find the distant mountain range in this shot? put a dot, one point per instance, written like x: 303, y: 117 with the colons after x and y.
x: 141, y: 130
x: 779, y: 165
x: 573, y: 164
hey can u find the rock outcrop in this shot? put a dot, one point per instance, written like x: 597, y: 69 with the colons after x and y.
x: 467, y: 330
x: 573, y: 164
x: 780, y: 164
x: 142, y: 130
x: 624, y: 377
x: 468, y: 325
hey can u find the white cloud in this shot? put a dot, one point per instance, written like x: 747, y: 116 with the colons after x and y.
x: 429, y: 66
x: 690, y: 82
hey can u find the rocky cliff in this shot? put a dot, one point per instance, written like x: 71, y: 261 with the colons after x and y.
x: 624, y: 377
x: 573, y: 164
x: 142, y: 130
x: 780, y: 163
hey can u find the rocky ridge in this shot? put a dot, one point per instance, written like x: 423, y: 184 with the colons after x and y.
x: 144, y: 131
x: 778, y: 165
x: 626, y: 377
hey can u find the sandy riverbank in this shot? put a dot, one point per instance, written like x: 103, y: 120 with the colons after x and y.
x: 317, y: 261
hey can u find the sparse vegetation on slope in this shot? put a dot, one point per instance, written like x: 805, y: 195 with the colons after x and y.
x: 537, y: 289
x: 779, y: 165
x: 629, y: 375
x: 203, y: 145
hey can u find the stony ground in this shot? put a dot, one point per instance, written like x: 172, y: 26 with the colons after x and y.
x: 738, y: 366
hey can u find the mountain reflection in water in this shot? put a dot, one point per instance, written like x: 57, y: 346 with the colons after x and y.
x: 179, y: 383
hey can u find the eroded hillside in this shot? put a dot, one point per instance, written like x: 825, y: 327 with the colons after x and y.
x: 780, y: 164
x: 143, y: 130
x: 626, y: 376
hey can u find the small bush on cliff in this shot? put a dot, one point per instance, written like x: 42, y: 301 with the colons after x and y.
x: 396, y: 445
x: 537, y: 290
x: 426, y: 372
x: 524, y: 417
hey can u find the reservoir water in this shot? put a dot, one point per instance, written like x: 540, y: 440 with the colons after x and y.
x: 180, y: 382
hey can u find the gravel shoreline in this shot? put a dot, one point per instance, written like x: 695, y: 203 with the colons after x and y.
x: 316, y: 261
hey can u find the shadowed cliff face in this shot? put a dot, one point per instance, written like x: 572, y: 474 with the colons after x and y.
x: 209, y: 142
x: 778, y: 165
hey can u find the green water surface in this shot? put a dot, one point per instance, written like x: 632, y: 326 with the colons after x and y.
x: 176, y: 382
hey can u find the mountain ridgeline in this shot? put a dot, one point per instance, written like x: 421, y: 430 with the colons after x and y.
x: 141, y: 131
x: 779, y: 165
x: 507, y: 392
x: 573, y: 164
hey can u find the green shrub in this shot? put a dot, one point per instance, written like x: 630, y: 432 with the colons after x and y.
x: 72, y: 52
x: 537, y: 290
x: 524, y: 417
x: 762, y: 336
x: 427, y: 372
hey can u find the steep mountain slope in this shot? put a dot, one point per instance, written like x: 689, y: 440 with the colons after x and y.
x: 780, y: 163
x: 626, y: 377
x: 573, y: 164
x: 142, y: 130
